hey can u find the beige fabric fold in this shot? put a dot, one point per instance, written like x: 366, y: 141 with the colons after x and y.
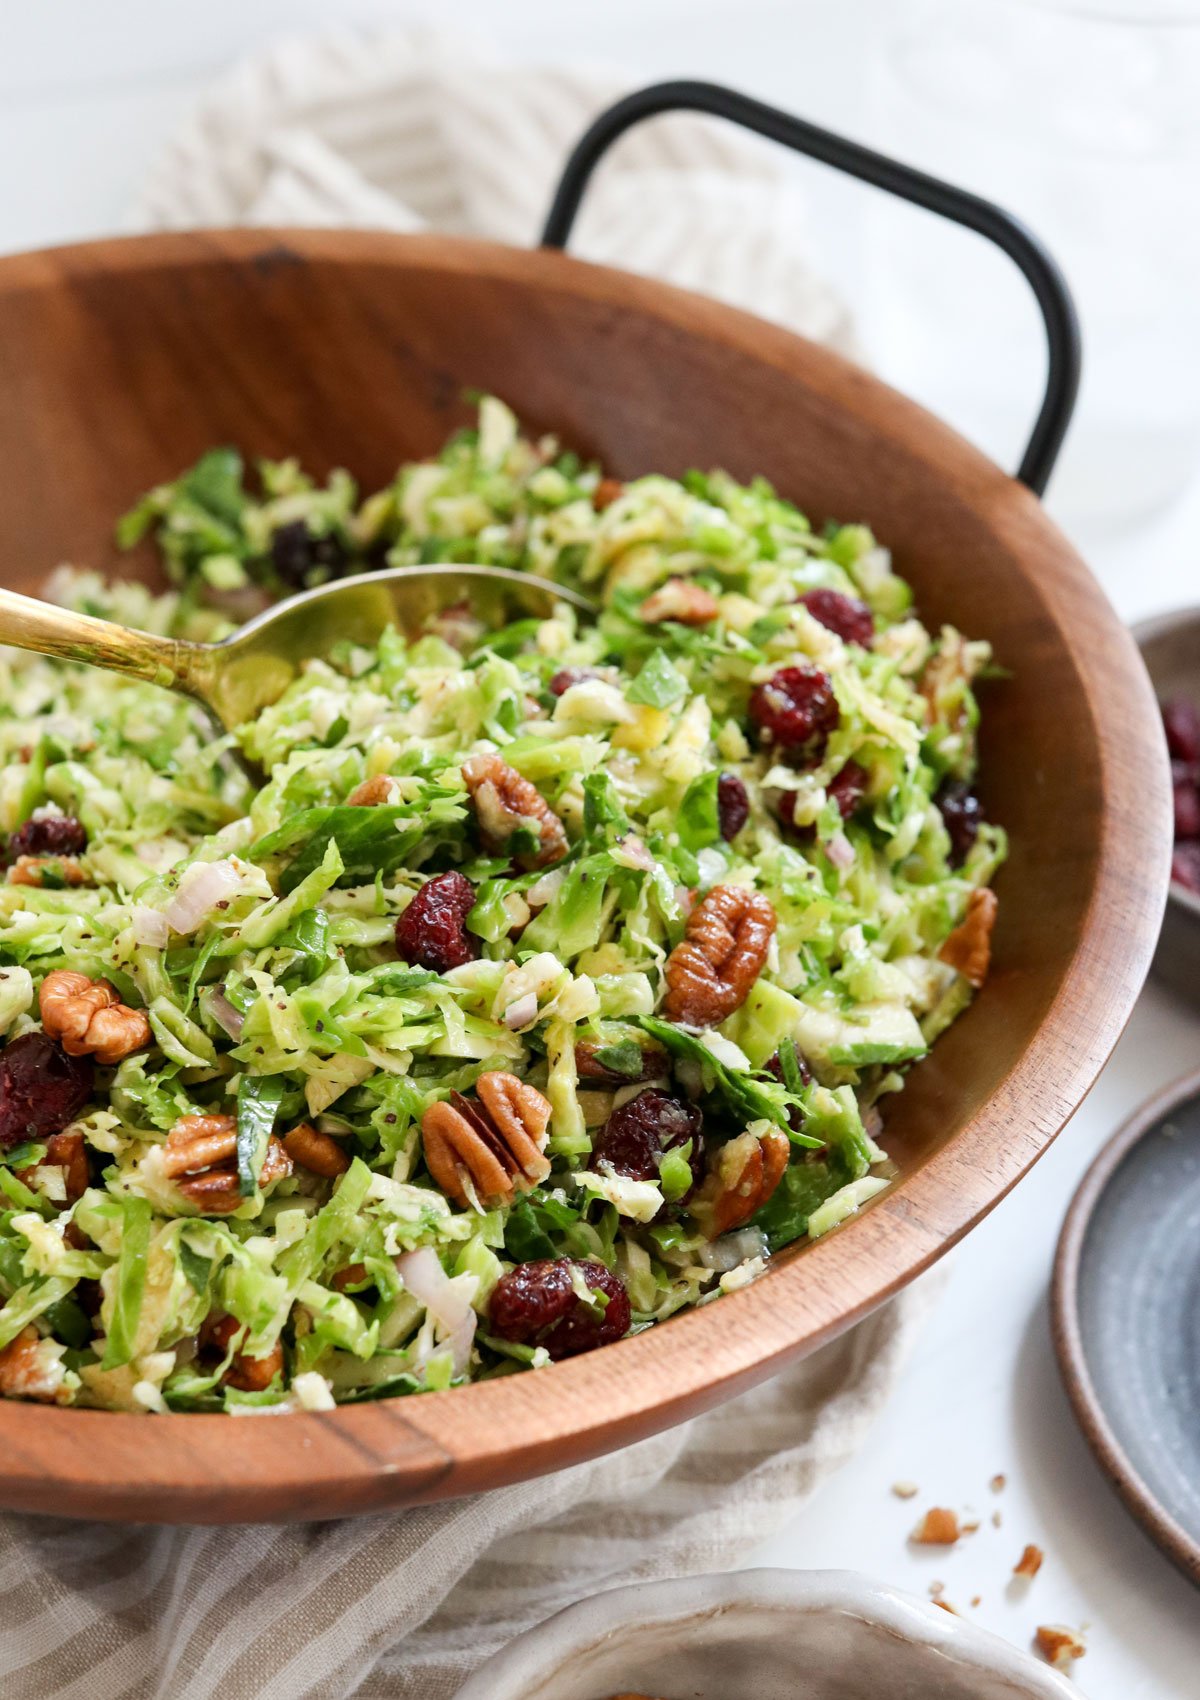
x: 406, y: 1606
x: 402, y: 132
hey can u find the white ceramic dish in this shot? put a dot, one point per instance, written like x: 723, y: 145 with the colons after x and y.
x: 763, y: 1635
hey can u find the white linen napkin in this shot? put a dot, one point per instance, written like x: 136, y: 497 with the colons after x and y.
x: 401, y: 132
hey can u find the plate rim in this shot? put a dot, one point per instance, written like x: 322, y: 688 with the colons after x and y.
x: 1089, y: 1410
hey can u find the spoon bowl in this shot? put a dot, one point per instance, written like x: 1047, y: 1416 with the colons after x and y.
x: 251, y: 669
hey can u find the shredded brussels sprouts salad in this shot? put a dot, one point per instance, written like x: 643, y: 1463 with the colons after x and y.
x: 551, y: 981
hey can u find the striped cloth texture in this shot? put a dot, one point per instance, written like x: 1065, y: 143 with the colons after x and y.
x: 403, y: 132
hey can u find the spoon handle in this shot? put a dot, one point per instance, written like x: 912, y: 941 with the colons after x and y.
x: 27, y: 623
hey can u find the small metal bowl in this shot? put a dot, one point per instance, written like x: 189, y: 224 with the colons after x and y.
x: 1170, y: 646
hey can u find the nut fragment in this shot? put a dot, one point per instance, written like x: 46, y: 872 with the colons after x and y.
x: 200, y: 1155
x: 969, y: 947
x: 246, y: 1374
x: 372, y: 792
x: 746, y: 1173
x: 1029, y: 1563
x: 495, y: 1146
x: 32, y: 870
x: 505, y: 803
x: 65, y: 1151
x: 905, y: 1490
x: 26, y: 1372
x: 681, y: 600
x: 938, y: 1528
x: 87, y: 1017
x: 653, y: 1064
x: 316, y: 1151
x: 606, y: 493
x: 710, y: 973
x: 1058, y: 1645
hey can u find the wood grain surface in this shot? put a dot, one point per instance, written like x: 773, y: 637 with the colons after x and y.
x: 122, y: 361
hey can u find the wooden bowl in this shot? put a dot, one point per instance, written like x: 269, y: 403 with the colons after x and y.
x: 122, y: 361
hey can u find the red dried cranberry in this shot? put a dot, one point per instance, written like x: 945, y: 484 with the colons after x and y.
x: 1187, y: 809
x: 296, y: 553
x: 733, y: 805
x: 41, y: 1088
x: 53, y: 835
x: 1181, y: 723
x: 637, y: 1136
x: 1185, y: 865
x: 536, y: 1304
x: 785, y: 808
x: 962, y: 813
x: 432, y: 932
x: 846, y: 615
x: 848, y: 788
x: 568, y: 676
x: 794, y: 707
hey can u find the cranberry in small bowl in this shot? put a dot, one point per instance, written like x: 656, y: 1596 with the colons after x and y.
x: 1170, y: 646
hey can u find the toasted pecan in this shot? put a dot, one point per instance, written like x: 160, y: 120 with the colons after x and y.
x: 497, y: 1143
x: 372, y: 792
x: 200, y: 1156
x: 246, y: 1374
x: 32, y: 870
x: 747, y: 1170
x: 681, y: 600
x: 969, y: 947
x: 316, y: 1151
x: 88, y: 1018
x: 505, y: 803
x: 710, y: 973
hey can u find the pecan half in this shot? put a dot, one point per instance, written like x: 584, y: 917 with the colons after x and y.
x: 26, y: 1374
x: 496, y: 1144
x: 32, y: 870
x: 504, y: 803
x: 710, y: 973
x: 681, y: 600
x: 969, y: 947
x: 200, y: 1155
x: 316, y: 1151
x: 246, y: 1374
x: 746, y: 1172
x: 87, y: 1017
x: 372, y: 792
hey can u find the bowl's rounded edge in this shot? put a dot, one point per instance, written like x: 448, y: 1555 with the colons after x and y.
x: 370, y: 1457
x: 521, y: 1669
x: 1067, y: 1332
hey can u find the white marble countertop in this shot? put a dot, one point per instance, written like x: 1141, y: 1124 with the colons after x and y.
x: 86, y: 94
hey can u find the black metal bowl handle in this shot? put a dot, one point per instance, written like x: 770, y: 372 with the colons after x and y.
x: 1045, y: 279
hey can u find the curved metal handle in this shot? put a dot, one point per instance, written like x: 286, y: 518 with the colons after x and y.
x: 27, y: 623
x: 1043, y: 275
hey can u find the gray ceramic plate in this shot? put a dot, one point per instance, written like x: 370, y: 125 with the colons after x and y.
x: 1126, y: 1307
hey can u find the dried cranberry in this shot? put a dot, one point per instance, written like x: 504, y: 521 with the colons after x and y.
x: 568, y: 676
x: 1181, y: 723
x: 296, y: 553
x: 432, y: 932
x: 733, y: 805
x: 1187, y: 809
x: 536, y: 1304
x: 794, y: 707
x: 41, y: 1088
x: 785, y: 808
x: 846, y: 615
x: 962, y: 813
x: 637, y: 1136
x: 848, y: 787
x: 1185, y: 866
x: 53, y: 835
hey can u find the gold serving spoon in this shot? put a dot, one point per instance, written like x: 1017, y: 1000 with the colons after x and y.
x: 252, y: 668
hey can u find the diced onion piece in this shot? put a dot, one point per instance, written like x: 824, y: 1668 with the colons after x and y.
x: 202, y: 887
x: 150, y: 926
